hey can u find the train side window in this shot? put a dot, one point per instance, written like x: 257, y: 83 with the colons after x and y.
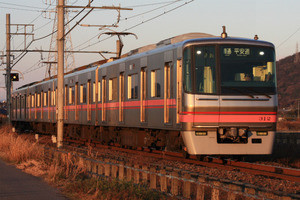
x: 94, y: 92
x: 132, y: 83
x: 103, y: 98
x: 89, y: 99
x: 52, y: 98
x: 99, y: 91
x: 38, y: 102
x: 76, y: 102
x: 28, y: 101
x: 155, y: 85
x: 32, y: 101
x: 66, y: 101
x: 88, y: 92
x: 71, y: 95
x: 83, y: 93
x: 113, y: 89
x: 45, y: 99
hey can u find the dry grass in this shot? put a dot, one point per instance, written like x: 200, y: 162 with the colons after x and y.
x: 65, y: 171
x: 288, y: 125
x: 17, y: 149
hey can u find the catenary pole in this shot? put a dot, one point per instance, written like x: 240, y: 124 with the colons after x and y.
x: 8, y: 80
x: 60, y: 73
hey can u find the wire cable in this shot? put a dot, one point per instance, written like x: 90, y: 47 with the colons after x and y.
x: 288, y: 38
x: 20, y: 5
x: 150, y: 10
x: 143, y: 22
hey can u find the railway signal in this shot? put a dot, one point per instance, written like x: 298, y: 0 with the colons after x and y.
x: 14, y: 76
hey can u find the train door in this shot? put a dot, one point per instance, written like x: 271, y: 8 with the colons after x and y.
x: 76, y: 102
x: 143, y: 95
x: 89, y: 106
x: 178, y: 90
x: 103, y: 116
x: 121, y: 97
x: 167, y: 92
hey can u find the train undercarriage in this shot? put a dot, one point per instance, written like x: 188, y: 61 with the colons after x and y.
x: 108, y: 135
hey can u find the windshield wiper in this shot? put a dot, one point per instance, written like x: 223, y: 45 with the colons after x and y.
x: 259, y: 93
x: 241, y: 92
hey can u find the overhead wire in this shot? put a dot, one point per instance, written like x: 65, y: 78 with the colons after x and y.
x: 23, y: 9
x: 151, y: 10
x: 150, y: 19
x: 21, y: 5
x: 170, y: 2
x: 288, y: 38
x: 151, y: 4
x: 143, y: 22
x: 25, y: 50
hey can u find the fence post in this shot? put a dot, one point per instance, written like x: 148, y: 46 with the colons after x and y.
x: 174, y: 184
x: 215, y: 194
x: 128, y: 173
x: 163, y: 181
x: 153, y: 178
x: 144, y: 173
x: 107, y: 168
x: 114, y: 171
x: 200, y: 188
x: 136, y: 175
x: 121, y: 170
x: 187, y: 186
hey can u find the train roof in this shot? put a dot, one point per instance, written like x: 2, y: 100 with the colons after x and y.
x: 162, y: 45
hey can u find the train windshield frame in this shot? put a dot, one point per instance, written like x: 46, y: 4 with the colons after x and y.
x: 244, y: 69
x: 199, y: 69
x: 247, y: 69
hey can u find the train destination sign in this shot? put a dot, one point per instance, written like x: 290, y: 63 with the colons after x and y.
x: 236, y: 51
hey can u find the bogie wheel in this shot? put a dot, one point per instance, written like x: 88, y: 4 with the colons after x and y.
x: 186, y: 154
x: 200, y: 157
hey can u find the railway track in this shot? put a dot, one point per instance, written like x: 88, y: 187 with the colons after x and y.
x: 282, y: 173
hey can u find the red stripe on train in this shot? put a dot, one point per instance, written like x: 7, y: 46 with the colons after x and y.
x: 229, y: 118
x: 230, y: 113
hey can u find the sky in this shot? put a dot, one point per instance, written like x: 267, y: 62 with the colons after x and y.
x: 276, y: 21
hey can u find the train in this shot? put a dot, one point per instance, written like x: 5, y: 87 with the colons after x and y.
x: 196, y: 93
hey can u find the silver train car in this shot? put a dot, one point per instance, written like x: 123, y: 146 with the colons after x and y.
x: 197, y: 93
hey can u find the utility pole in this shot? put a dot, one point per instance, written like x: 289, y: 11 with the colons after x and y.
x: 60, y: 60
x: 8, y: 80
x: 60, y: 72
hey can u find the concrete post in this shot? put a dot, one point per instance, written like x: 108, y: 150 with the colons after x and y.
x: 60, y: 72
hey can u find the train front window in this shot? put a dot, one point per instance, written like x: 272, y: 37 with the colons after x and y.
x: 247, y: 70
x: 199, y: 65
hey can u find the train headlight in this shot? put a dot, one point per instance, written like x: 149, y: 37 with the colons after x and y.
x: 201, y: 133
x: 261, y: 133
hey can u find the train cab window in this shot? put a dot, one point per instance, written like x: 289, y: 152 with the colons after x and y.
x: 155, y: 85
x: 247, y: 70
x: 83, y: 93
x: 132, y: 86
x: 199, y: 68
x: 205, y: 69
x: 71, y: 95
x: 113, y: 89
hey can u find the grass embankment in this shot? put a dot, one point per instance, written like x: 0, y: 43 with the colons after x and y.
x: 288, y: 125
x: 69, y: 175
